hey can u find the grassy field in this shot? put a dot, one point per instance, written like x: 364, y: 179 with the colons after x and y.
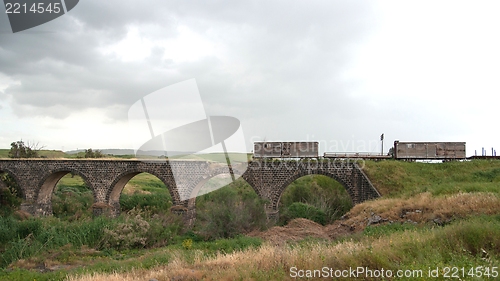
x: 430, y: 216
x: 4, y: 153
x: 397, y: 179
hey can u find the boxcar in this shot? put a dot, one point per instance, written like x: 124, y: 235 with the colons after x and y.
x: 285, y: 149
x: 429, y: 150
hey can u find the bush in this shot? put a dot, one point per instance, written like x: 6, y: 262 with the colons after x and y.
x: 128, y: 234
x: 302, y: 210
x: 232, y: 210
x: 323, y: 193
x: 8, y: 202
x: 10, y: 194
x: 137, y: 231
x: 72, y: 202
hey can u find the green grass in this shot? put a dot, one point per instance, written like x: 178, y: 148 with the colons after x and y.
x: 72, y: 198
x: 4, y: 153
x: 402, y: 179
x: 146, y: 192
x: 147, y: 182
x: 109, y: 260
x: 216, y: 157
x: 467, y: 243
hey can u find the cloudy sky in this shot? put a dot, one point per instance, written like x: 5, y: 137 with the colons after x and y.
x: 338, y: 72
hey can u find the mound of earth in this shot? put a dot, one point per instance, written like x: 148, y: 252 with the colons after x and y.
x: 295, y: 230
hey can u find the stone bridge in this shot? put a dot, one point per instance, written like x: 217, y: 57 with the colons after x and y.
x: 106, y: 178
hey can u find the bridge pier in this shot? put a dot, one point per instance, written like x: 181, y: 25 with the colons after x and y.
x: 102, y: 209
x: 272, y: 215
x: 43, y: 209
x: 29, y: 208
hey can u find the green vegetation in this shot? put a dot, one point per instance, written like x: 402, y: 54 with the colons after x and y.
x: 470, y: 243
x: 4, y: 153
x: 229, y: 211
x: 397, y: 179
x: 10, y: 192
x: 19, y: 149
x: 434, y: 215
x: 147, y: 192
x: 217, y: 157
x: 72, y: 199
x: 318, y: 198
x: 96, y: 153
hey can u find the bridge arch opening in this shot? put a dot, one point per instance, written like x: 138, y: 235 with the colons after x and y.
x: 52, y: 188
x: 139, y: 190
x: 72, y: 198
x: 235, y: 208
x: 318, y: 197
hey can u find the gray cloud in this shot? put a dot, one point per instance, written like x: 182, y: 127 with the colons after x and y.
x: 282, y: 61
x: 65, y: 67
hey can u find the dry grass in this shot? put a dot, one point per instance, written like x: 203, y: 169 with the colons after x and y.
x: 402, y: 250
x: 296, y: 230
x: 273, y: 260
x: 423, y: 208
x: 131, y: 189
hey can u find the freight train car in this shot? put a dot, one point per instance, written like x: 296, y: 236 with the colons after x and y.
x: 285, y: 149
x: 429, y: 150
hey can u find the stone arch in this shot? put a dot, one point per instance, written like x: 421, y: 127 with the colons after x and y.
x: 47, y: 185
x: 202, y: 181
x: 191, y: 202
x: 116, y: 189
x: 281, y: 189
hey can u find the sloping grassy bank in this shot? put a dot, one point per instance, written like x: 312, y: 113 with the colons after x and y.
x: 397, y: 179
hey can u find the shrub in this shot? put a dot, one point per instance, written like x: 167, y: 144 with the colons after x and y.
x: 72, y: 202
x: 163, y: 229
x: 187, y: 244
x: 321, y: 192
x: 129, y: 234
x: 302, y: 210
x: 8, y: 202
x: 230, y: 211
x: 10, y: 194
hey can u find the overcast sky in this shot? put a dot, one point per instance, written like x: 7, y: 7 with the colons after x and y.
x: 338, y: 72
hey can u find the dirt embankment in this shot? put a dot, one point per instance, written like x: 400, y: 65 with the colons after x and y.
x: 420, y: 209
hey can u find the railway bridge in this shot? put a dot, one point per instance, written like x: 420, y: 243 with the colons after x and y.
x: 106, y: 178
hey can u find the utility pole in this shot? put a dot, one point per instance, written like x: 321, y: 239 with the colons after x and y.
x: 382, y: 140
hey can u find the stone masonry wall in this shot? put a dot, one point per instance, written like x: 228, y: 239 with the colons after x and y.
x: 106, y: 178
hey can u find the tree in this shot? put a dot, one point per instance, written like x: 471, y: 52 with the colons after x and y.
x: 19, y: 149
x: 89, y: 153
